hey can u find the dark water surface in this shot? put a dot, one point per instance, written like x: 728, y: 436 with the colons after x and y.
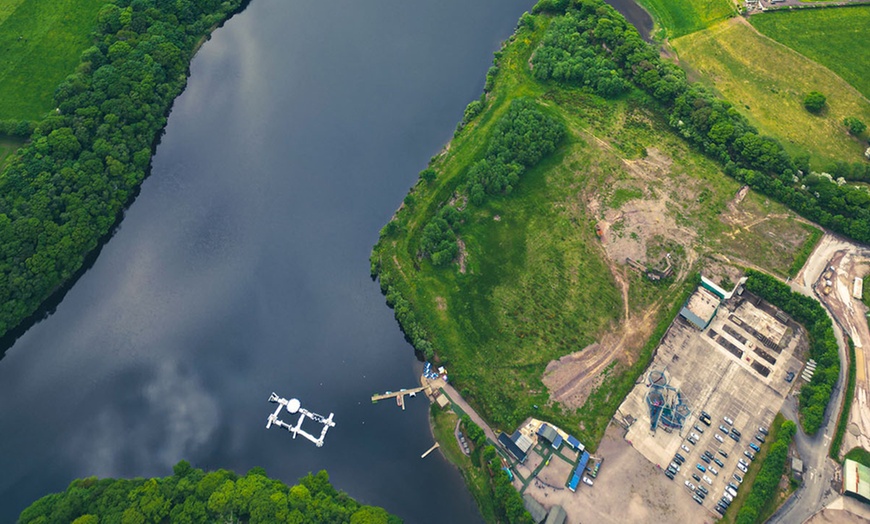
x: 242, y: 267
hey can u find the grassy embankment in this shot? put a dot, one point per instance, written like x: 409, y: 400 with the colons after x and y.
x: 443, y: 425
x: 848, y: 396
x: 681, y: 17
x: 859, y: 455
x: 42, y: 41
x: 766, y: 81
x: 537, y: 283
x: 835, y: 38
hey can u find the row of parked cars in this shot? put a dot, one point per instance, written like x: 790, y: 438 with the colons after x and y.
x: 700, y: 491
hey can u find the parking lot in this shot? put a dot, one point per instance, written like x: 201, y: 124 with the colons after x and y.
x: 735, y: 368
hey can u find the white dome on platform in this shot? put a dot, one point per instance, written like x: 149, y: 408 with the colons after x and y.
x: 293, y: 405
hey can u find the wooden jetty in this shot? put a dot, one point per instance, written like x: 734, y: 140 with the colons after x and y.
x: 400, y: 395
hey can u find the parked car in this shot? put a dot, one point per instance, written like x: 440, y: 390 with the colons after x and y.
x: 733, y: 486
x: 723, y: 453
x: 728, y: 421
x: 685, y: 448
x: 742, y: 468
x: 708, y: 480
x: 725, y: 502
x: 706, y: 421
x: 762, y: 430
x: 738, y: 478
x: 674, y: 466
x: 701, y: 468
x: 721, y: 509
x: 700, y: 493
x: 723, y: 429
x: 669, y: 475
x: 749, y: 455
x: 713, y: 470
x: 759, y: 437
x: 699, y: 429
x: 696, y: 477
x: 719, y: 463
x: 703, y: 489
x: 698, y: 499
x: 719, y: 437
x: 741, y: 461
x: 691, y: 441
x: 735, y: 438
x: 696, y: 436
x: 754, y: 446
x: 690, y: 486
x: 587, y: 480
x: 679, y: 459
x: 705, y: 458
x: 727, y: 497
x: 707, y: 453
x: 735, y: 432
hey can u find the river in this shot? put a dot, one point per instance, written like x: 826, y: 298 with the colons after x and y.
x: 242, y: 267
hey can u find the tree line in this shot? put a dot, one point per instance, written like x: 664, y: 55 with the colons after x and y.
x: 192, y: 496
x: 83, y: 164
x: 766, y: 483
x: 520, y: 139
x: 815, y: 395
x: 591, y: 28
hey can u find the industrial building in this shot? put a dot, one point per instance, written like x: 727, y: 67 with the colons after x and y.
x: 856, y: 481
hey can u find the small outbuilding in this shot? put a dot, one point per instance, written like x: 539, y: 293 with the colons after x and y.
x: 511, y: 447
x: 556, y: 515
x: 548, y: 433
x: 538, y: 512
x: 574, y: 443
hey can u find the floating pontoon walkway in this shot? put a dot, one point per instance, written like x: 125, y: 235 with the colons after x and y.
x: 400, y: 395
x: 293, y: 406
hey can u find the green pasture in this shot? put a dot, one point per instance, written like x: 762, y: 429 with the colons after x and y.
x: 839, y: 39
x: 40, y: 45
x: 537, y: 284
x: 675, y: 18
x: 767, y: 82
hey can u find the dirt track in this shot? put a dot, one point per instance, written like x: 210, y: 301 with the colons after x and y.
x: 849, y: 260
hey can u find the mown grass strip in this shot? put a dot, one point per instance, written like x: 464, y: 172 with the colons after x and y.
x: 835, y: 38
x: 676, y: 18
x: 767, y: 83
x: 849, y: 395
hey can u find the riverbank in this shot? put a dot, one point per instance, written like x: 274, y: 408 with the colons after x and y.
x: 98, y: 146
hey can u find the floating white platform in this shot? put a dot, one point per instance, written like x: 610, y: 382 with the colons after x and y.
x: 293, y: 406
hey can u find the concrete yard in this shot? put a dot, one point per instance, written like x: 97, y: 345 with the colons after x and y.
x: 628, y: 489
x: 712, y: 378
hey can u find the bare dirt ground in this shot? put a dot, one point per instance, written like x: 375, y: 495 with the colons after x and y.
x: 628, y: 489
x: 628, y: 232
x: 849, y: 260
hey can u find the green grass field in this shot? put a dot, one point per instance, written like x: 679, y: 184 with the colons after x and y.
x: 836, y: 38
x: 8, y: 146
x: 40, y: 45
x: 538, y: 284
x: 675, y: 18
x: 767, y: 81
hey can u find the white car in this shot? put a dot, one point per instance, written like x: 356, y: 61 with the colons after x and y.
x: 696, y: 436
x: 690, y: 486
x: 708, y: 480
x: 728, y: 497
x: 719, y: 438
x: 729, y: 421
x: 685, y: 448
x: 742, y: 468
x: 587, y: 480
x: 713, y: 470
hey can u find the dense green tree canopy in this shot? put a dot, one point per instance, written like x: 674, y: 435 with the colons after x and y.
x: 193, y: 496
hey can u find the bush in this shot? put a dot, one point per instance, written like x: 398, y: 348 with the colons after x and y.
x: 766, y: 482
x: 855, y: 126
x: 814, y: 102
